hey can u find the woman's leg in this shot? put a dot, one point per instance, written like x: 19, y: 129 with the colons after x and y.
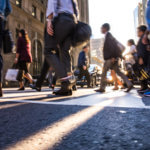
x: 27, y: 75
x: 21, y: 84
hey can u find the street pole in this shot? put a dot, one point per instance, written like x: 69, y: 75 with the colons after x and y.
x: 36, y: 55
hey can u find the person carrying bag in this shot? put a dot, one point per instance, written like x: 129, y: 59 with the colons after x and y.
x: 5, y: 10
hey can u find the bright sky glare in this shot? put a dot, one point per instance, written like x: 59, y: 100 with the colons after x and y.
x: 120, y: 15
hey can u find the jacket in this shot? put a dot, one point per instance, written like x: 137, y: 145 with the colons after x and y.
x: 82, y: 60
x: 5, y: 7
x: 142, y: 51
x: 111, y: 49
x: 24, y: 50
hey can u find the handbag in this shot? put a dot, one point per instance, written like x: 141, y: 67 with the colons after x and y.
x: 82, y: 34
x: 8, y: 43
x: 12, y: 74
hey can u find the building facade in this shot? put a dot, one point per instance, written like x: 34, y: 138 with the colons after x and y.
x: 97, y: 51
x: 139, y: 13
x: 30, y: 15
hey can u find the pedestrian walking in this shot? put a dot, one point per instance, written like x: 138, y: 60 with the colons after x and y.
x: 5, y: 10
x: 130, y: 55
x: 23, y: 58
x: 61, y: 22
x: 111, y: 53
x: 83, y: 65
x: 143, y: 56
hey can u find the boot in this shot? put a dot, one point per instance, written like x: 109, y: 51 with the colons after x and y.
x: 66, y: 89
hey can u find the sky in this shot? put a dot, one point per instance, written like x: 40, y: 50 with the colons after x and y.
x: 118, y: 13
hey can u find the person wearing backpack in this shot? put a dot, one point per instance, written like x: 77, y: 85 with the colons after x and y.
x: 62, y: 17
x: 5, y: 10
x: 111, y: 54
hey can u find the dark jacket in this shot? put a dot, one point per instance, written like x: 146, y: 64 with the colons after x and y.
x: 142, y: 51
x: 24, y: 50
x: 82, y: 60
x: 111, y: 49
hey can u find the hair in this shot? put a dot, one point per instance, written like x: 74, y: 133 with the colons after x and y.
x: 25, y: 35
x: 131, y: 41
x: 86, y: 46
x: 142, y: 28
x: 106, y: 26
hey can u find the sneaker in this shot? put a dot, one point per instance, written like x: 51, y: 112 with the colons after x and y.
x: 147, y: 94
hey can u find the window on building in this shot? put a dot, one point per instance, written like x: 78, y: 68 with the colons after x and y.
x: 17, y: 33
x: 42, y: 17
x: 19, y: 3
x: 42, y: 1
x: 34, y: 11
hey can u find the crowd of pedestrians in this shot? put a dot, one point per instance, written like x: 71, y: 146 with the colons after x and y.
x: 62, y: 19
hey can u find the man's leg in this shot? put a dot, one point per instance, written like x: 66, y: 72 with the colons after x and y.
x: 125, y: 78
x: 81, y: 74
x: 63, y: 30
x: 51, y: 56
x: 106, y: 67
x: 87, y: 75
x: 43, y: 74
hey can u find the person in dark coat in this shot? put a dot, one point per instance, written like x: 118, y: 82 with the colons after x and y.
x: 83, y: 65
x: 23, y: 57
x: 5, y: 10
x: 111, y: 53
x: 143, y: 55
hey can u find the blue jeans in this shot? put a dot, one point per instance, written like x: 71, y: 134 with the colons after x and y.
x: 148, y: 15
x: 2, y: 24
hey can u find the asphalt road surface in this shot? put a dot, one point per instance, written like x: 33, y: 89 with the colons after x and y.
x: 85, y: 121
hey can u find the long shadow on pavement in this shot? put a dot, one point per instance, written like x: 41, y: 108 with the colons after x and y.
x: 110, y: 130
x: 19, y: 122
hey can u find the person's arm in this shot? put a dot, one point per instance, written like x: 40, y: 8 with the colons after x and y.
x: 8, y: 8
x: 49, y: 15
x: 18, y: 50
x: 77, y: 8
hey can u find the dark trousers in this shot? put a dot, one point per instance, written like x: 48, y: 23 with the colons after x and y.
x: 44, y: 71
x: 64, y: 25
x: 109, y: 65
x: 86, y: 74
x: 2, y: 26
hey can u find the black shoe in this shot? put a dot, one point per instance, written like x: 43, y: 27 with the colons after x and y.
x: 100, y: 91
x: 62, y: 92
x: 21, y: 89
x: 33, y: 86
x: 129, y: 89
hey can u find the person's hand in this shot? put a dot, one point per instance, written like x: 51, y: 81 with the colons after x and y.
x: 16, y: 60
x: 84, y: 67
x: 50, y: 28
x: 141, y: 62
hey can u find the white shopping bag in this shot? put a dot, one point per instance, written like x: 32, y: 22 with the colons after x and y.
x: 12, y: 74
